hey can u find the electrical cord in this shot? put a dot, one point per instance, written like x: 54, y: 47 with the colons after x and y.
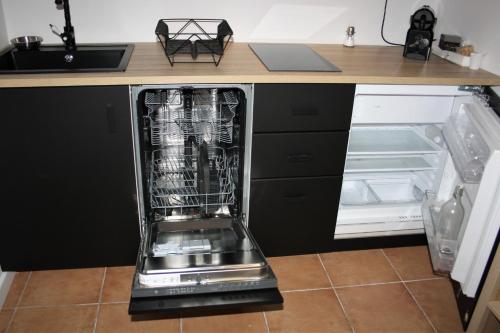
x: 382, y: 28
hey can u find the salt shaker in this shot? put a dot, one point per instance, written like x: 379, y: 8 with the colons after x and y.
x: 349, y: 38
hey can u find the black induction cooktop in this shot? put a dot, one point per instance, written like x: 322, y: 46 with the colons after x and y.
x: 291, y: 57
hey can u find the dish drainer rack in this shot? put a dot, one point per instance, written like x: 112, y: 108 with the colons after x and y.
x: 176, y: 178
x: 205, y: 115
x: 194, y: 37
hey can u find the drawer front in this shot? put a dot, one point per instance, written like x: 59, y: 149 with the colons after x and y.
x: 298, y: 154
x: 294, y: 216
x: 302, y: 107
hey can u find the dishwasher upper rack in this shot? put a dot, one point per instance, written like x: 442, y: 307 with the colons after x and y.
x: 209, y: 120
x: 174, y: 180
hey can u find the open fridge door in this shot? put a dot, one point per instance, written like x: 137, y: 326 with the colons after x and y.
x: 480, y: 232
x: 472, y: 134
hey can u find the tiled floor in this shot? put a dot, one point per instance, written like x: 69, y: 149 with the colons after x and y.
x: 387, y: 290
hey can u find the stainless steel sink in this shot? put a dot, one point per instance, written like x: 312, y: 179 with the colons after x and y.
x: 56, y: 59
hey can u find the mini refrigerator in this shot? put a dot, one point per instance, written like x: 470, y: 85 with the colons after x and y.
x: 409, y: 147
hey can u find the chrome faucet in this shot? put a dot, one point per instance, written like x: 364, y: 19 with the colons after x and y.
x: 68, y: 36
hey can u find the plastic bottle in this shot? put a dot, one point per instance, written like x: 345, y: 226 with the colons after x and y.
x: 450, y: 221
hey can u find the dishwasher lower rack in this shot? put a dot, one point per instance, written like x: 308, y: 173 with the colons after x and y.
x: 175, y: 180
x: 175, y: 115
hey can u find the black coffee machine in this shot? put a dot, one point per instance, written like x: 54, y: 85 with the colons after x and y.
x: 420, y: 35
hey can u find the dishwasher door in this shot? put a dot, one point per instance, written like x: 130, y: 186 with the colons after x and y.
x: 201, y: 264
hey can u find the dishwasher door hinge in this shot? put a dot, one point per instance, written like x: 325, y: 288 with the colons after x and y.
x: 143, y: 227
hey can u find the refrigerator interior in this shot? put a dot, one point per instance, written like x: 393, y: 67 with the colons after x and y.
x: 192, y: 153
x: 399, y: 186
x: 388, y: 169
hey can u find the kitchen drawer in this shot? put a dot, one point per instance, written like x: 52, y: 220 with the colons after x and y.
x: 294, y: 216
x: 298, y: 154
x: 302, y: 107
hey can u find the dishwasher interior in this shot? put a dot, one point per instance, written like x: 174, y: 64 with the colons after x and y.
x: 190, y: 153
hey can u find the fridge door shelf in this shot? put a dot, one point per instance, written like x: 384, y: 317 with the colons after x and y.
x: 467, y: 147
x: 391, y: 163
x: 442, y: 262
x: 393, y: 140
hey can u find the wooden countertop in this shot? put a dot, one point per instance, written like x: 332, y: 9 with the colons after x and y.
x: 362, y: 64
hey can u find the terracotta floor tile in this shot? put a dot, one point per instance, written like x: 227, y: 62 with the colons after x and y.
x: 382, y: 308
x: 73, y: 319
x: 437, y: 299
x: 358, y: 267
x: 117, y: 284
x: 299, y: 272
x: 5, y: 316
x: 309, y: 311
x: 240, y: 322
x: 15, y: 290
x: 412, y: 262
x: 115, y: 318
x: 69, y: 286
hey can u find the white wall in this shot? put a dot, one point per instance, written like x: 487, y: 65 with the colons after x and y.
x: 3, y: 29
x: 313, y: 21
x: 477, y: 22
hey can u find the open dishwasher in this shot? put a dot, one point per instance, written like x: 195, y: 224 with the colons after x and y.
x: 196, y: 253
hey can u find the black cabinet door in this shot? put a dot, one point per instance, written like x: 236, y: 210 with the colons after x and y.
x: 68, y: 189
x: 298, y: 154
x: 302, y: 107
x: 294, y: 215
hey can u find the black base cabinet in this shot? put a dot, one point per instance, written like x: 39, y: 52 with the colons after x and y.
x: 299, y: 146
x: 294, y: 215
x: 68, y: 189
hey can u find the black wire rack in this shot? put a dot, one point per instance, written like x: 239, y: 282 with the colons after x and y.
x: 194, y: 40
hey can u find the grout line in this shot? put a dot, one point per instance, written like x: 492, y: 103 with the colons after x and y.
x: 100, y: 299
x: 410, y: 293
x: 180, y: 324
x: 55, y: 306
x: 420, y: 307
x: 391, y: 264
x: 336, y: 295
x: 21, y: 295
x: 115, y: 302
x: 426, y: 279
x: 367, y: 284
x: 299, y: 290
x: 265, y: 322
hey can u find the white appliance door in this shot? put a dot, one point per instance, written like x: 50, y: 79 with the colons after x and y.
x: 473, y: 137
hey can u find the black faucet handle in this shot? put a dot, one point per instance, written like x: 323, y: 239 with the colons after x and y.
x: 55, y: 30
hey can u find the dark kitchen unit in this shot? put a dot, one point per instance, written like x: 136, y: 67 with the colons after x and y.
x: 192, y: 150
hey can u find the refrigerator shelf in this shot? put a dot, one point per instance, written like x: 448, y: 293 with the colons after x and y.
x: 389, y: 140
x: 389, y: 163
